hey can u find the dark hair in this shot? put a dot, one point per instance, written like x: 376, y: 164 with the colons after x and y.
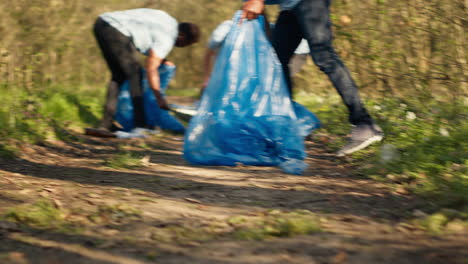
x: 190, y: 31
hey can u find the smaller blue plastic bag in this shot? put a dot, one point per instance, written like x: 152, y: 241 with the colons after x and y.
x: 154, y: 116
x: 246, y: 115
x: 307, y: 121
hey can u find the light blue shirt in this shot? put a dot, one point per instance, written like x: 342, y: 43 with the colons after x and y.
x: 303, y: 47
x: 285, y: 4
x: 221, y: 31
x: 219, y: 34
x: 147, y: 28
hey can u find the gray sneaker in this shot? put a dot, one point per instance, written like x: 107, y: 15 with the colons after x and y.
x: 361, y: 137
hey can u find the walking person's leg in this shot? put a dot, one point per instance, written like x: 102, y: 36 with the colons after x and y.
x: 132, y: 69
x: 313, y: 17
x: 286, y: 37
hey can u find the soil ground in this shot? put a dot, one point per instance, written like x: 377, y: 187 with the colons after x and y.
x: 168, y: 211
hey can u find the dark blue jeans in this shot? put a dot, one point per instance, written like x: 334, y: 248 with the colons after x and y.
x: 310, y: 19
x: 122, y: 59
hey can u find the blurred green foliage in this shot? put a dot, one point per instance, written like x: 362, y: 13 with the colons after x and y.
x: 394, y: 48
x: 37, y: 116
x: 424, y: 152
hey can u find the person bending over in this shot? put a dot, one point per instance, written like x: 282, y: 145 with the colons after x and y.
x: 122, y: 36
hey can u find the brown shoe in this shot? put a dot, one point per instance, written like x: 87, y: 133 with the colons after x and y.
x: 99, y: 132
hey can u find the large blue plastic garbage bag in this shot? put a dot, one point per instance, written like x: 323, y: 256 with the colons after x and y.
x: 246, y: 115
x: 154, y: 116
x: 124, y: 112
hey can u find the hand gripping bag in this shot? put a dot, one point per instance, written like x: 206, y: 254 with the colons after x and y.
x: 154, y: 116
x: 246, y: 115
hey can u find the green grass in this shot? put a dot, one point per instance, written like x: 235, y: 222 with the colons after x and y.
x: 332, y: 114
x: 116, y: 213
x: 275, y: 224
x: 7, y: 151
x: 42, y: 114
x: 443, y: 221
x: 424, y: 150
x: 41, y: 215
x: 124, y: 160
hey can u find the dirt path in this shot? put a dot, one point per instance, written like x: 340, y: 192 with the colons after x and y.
x: 167, y: 211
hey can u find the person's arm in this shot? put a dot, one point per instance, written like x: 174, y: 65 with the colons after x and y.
x: 152, y: 64
x: 253, y: 8
x: 168, y: 63
x: 207, y: 67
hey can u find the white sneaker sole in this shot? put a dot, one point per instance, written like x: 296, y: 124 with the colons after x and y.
x: 364, y: 144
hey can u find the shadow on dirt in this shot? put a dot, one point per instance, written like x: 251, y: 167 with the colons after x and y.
x: 168, y: 184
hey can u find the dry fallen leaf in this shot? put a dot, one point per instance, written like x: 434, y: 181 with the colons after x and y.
x: 145, y: 161
x: 192, y: 200
x: 57, y: 203
x: 17, y: 258
x: 340, y: 258
x: 345, y: 20
x: 49, y: 190
x: 44, y: 194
